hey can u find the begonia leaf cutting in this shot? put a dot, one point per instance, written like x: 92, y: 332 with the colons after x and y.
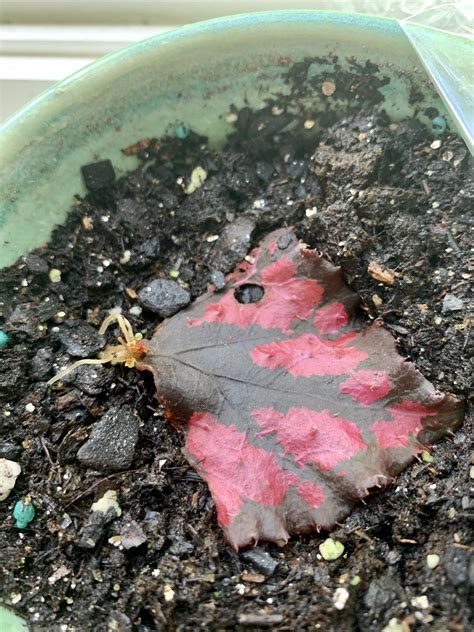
x: 292, y: 408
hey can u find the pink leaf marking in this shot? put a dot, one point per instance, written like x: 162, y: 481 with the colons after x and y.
x: 286, y: 298
x: 309, y: 355
x: 407, y: 421
x: 236, y: 471
x: 311, y: 493
x: 367, y: 387
x: 311, y: 437
x: 331, y: 318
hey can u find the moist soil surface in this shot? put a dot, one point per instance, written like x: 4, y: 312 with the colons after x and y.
x: 361, y: 190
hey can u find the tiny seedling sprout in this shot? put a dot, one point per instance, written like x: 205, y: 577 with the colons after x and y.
x: 130, y: 350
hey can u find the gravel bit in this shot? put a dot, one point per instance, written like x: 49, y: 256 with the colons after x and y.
x: 163, y: 297
x: 261, y: 560
x: 80, y: 339
x: 111, y: 444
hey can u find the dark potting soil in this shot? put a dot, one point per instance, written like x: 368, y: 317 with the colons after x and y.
x: 384, y: 200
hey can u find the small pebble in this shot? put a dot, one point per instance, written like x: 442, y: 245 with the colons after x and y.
x: 112, y: 441
x: 58, y: 574
x: 231, y: 118
x: 30, y: 408
x: 9, y: 472
x: 163, y: 297
x: 168, y: 593
x: 284, y: 241
x: 438, y: 126
x: 253, y: 578
x: 87, y: 222
x: 451, y: 303
x: 132, y: 535
x: 125, y: 258
x: 118, y: 622
x: 3, y: 339
x: 340, y: 597
x: 309, y: 124
x: 135, y: 310
x: 393, y: 557
x: 426, y: 457
x: 180, y: 131
x: 107, y: 503
x: 259, y: 619
x: 98, y: 175
x: 377, y: 301
x: 24, y: 512
x: 218, y: 279
x: 311, y: 212
x: 261, y: 560
x: 420, y: 602
x: 55, y: 275
x: 331, y: 549
x: 432, y: 560
x: 97, y: 575
x: 328, y: 88
x: 394, y: 625
x: 198, y: 177
x: 379, y: 273
x: 436, y: 144
x: 116, y: 541
x: 36, y: 265
x: 80, y: 339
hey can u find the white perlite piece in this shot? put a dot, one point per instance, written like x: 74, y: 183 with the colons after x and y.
x: 108, y: 501
x: 394, y: 625
x: 432, y: 560
x: 168, y: 593
x: 198, y: 176
x: 420, y: 602
x: 340, y: 597
x: 9, y: 472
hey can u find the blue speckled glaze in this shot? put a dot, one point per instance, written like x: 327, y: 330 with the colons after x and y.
x: 191, y: 75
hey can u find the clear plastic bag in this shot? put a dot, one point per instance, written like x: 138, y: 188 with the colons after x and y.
x: 442, y: 37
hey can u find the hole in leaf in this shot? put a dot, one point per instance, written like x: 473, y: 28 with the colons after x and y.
x: 249, y: 293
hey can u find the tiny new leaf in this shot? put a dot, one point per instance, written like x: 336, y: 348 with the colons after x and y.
x: 292, y: 408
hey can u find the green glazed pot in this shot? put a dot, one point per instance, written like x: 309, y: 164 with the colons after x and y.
x: 191, y: 75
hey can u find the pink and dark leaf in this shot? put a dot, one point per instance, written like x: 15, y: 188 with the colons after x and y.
x: 292, y: 408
